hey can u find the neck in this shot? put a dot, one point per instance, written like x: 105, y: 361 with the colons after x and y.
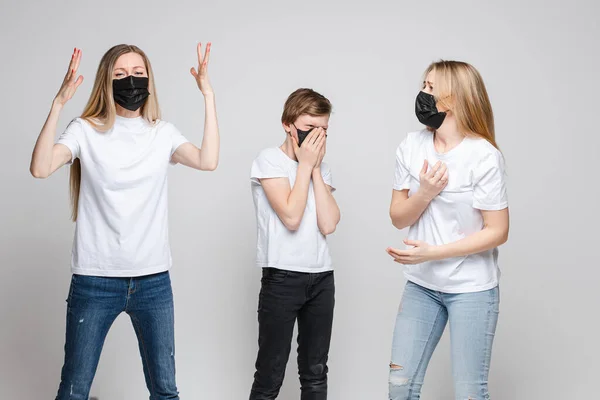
x: 447, y: 136
x: 125, y: 113
x: 288, y: 148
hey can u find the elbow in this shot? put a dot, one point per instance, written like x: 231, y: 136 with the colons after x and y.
x: 397, y: 222
x: 503, y: 238
x: 38, y: 173
x: 292, y: 224
x: 210, y: 166
x: 327, y: 230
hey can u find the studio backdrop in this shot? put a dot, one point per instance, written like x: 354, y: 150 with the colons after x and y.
x: 539, y: 60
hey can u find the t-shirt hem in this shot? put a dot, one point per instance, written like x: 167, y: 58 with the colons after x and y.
x: 176, y: 148
x: 296, y: 268
x: 117, y: 273
x: 402, y: 187
x: 494, y: 207
x: 457, y: 290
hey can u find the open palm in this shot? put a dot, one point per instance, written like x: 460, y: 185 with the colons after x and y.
x: 71, y: 81
x: 201, y: 74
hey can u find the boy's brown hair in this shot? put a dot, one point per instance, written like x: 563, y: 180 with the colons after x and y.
x: 305, y: 101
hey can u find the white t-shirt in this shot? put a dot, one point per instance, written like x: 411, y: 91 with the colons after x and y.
x: 476, y: 182
x: 121, y: 228
x: 304, y: 250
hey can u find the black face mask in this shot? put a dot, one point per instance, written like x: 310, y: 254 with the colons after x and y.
x: 302, y: 134
x: 131, y: 92
x: 427, y: 112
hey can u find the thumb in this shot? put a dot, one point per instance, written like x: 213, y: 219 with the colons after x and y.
x: 425, y: 166
x: 193, y: 72
x: 415, y: 243
x: 294, y: 142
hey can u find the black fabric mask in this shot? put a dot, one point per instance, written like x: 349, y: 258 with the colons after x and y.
x: 131, y: 92
x: 427, y: 112
x: 302, y: 135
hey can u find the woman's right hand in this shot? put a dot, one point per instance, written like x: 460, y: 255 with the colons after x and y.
x: 71, y: 82
x: 308, y: 154
x: 432, y: 182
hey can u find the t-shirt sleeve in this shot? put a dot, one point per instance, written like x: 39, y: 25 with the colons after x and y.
x: 326, y: 174
x: 266, y: 166
x: 489, y: 183
x: 402, y: 172
x: 177, y: 138
x: 71, y: 138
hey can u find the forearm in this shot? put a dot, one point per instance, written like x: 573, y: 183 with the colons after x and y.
x: 328, y: 212
x: 486, y: 239
x: 406, y: 212
x: 296, y: 201
x: 41, y: 159
x: 209, y: 151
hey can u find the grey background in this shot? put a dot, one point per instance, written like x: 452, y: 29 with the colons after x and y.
x: 539, y: 60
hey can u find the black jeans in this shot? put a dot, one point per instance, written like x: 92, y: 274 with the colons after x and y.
x: 284, y: 297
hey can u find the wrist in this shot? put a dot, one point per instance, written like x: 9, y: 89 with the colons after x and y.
x: 427, y: 198
x: 57, y: 105
x: 436, y: 252
x: 304, y: 166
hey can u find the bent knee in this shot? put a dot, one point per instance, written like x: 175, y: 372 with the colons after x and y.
x: 398, y: 377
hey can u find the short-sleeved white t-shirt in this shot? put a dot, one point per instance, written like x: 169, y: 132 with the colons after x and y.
x: 476, y: 181
x: 303, y: 250
x: 121, y: 228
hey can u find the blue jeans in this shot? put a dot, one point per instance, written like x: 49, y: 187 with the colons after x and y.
x: 420, y: 323
x: 93, y: 305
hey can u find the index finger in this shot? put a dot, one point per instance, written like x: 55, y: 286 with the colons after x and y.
x: 310, y: 135
x: 207, y: 53
x: 199, y: 51
x: 77, y: 60
x: 72, y: 62
x: 398, y: 253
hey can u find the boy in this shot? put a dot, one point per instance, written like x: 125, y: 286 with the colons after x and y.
x: 295, y: 211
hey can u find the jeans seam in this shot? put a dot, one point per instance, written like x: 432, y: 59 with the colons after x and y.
x: 410, y: 390
x: 145, y: 356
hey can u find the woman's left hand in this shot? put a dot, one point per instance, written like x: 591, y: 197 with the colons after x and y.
x: 420, y: 253
x: 201, y: 75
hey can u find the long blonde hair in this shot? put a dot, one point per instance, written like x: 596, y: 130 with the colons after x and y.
x: 459, y: 88
x: 100, y: 111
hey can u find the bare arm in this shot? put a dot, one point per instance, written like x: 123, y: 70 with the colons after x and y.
x: 405, y: 210
x: 47, y: 156
x: 494, y: 233
x: 205, y: 158
x: 328, y: 212
x: 290, y: 203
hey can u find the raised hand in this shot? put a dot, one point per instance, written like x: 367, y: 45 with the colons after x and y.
x: 71, y: 81
x: 310, y: 151
x: 201, y: 75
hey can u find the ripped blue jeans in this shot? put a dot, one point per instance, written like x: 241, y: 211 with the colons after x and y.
x: 421, y: 320
x: 93, y: 305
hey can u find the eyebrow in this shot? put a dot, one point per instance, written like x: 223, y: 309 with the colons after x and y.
x: 138, y: 66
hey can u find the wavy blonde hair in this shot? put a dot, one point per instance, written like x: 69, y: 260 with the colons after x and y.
x: 459, y: 88
x: 100, y: 111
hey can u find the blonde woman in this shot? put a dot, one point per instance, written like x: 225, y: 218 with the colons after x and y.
x: 449, y: 189
x: 119, y: 151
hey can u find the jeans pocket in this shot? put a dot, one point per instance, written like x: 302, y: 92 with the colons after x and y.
x: 274, y: 275
x: 70, y: 295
